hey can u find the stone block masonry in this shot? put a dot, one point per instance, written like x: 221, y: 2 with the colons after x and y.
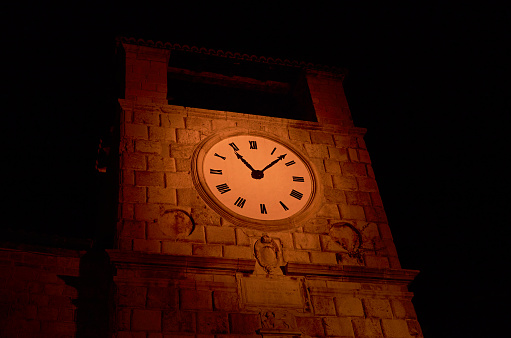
x: 181, y: 269
x: 156, y: 177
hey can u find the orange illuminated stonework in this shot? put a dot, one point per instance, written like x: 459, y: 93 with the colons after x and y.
x: 247, y: 206
x: 191, y: 261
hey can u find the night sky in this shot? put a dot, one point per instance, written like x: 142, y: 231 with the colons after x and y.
x: 430, y: 83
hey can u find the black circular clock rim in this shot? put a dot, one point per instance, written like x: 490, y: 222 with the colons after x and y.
x: 207, y: 195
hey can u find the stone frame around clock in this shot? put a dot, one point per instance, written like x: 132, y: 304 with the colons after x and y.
x: 311, y: 207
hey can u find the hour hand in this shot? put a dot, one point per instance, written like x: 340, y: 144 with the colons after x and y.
x: 244, y: 161
x: 281, y: 157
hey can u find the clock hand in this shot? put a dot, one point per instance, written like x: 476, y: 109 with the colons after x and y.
x: 281, y: 157
x: 244, y: 161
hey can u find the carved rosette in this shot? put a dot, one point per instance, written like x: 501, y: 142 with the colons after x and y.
x: 350, y: 240
x: 176, y: 223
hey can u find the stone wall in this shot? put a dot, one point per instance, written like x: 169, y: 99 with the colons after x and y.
x: 182, y: 269
x: 35, y: 301
x: 179, y: 269
x: 156, y: 148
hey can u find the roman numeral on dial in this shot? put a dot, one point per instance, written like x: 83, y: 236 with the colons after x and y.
x: 234, y: 146
x: 290, y: 163
x: 222, y: 157
x: 298, y: 179
x: 263, y: 209
x: 296, y: 194
x: 284, y: 206
x: 240, y: 202
x: 253, y: 144
x: 215, y: 171
x: 223, y: 188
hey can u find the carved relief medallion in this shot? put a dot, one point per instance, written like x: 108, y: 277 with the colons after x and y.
x: 267, y: 253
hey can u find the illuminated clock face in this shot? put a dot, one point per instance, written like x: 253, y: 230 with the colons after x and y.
x: 253, y: 177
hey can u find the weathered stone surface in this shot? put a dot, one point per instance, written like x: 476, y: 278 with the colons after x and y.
x: 172, y: 120
x: 323, y: 257
x: 233, y: 251
x: 332, y: 166
x: 403, y: 309
x: 198, y: 123
x: 319, y: 137
x: 192, y: 299
x: 205, y: 216
x: 144, y: 146
x: 131, y: 295
x: 212, y: 323
x: 379, y: 308
x: 220, y: 235
x: 316, y: 150
x: 146, y: 320
x: 395, y: 328
x: 344, y: 183
x: 340, y: 327
x: 349, y: 306
x: 367, y: 327
x: 178, y: 180
x: 306, y: 241
x: 244, y: 323
x: 148, y: 178
x: 162, y: 134
x: 146, y: 245
x: 296, y: 256
x: 176, y: 248
x: 225, y: 301
x: 161, y: 195
x: 355, y: 212
x: 146, y: 117
x: 179, y: 321
x: 186, y: 136
x: 299, y: 135
x: 160, y: 163
x: 264, y: 292
x: 310, y: 326
x: 207, y: 250
x: 162, y: 297
x: 323, y: 306
x: 136, y: 131
x: 134, y: 161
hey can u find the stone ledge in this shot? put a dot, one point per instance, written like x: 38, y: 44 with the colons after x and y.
x: 352, y: 273
x: 140, y: 260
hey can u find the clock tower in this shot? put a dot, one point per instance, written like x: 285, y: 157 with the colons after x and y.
x: 247, y: 203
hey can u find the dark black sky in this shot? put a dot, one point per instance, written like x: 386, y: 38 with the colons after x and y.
x: 429, y: 82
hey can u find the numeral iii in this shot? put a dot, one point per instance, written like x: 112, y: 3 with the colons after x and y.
x: 240, y: 202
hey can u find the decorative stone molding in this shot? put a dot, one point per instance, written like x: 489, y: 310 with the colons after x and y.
x: 348, y: 273
x: 157, y: 262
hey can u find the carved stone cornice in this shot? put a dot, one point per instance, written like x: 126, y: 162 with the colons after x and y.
x: 315, y: 69
x: 139, y: 260
x: 352, y: 273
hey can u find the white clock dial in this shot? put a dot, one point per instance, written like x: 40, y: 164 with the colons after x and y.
x: 253, y: 178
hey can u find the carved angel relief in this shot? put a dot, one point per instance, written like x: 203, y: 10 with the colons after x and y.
x: 267, y: 253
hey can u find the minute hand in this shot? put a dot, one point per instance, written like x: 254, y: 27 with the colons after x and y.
x: 281, y: 157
